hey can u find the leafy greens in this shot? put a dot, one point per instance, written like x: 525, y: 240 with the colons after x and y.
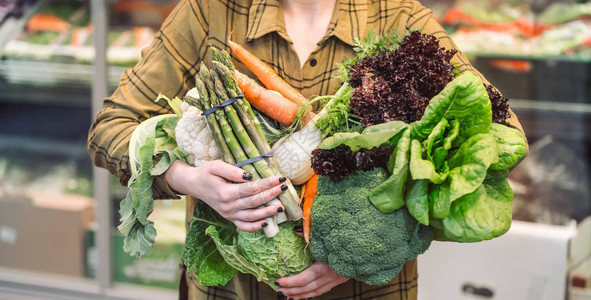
x: 458, y: 161
x: 153, y: 138
x: 215, y: 250
x: 441, y: 165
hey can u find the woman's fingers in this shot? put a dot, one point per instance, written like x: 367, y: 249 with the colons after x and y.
x: 228, y: 171
x: 246, y: 189
x: 250, y: 226
x: 256, y: 200
x: 314, y: 281
x: 257, y: 214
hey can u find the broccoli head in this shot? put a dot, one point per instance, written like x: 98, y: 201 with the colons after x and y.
x: 357, y: 240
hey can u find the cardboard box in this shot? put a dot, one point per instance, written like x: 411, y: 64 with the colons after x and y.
x: 530, y: 261
x: 45, y: 232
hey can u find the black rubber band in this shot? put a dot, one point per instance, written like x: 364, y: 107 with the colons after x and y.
x: 253, y: 160
x: 224, y: 104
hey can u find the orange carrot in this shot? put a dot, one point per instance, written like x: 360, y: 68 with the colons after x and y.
x: 309, y: 194
x: 271, y: 104
x: 47, y: 22
x: 266, y: 75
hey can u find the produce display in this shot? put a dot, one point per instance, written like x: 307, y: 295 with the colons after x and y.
x: 61, y: 32
x: 514, y: 29
x: 407, y: 151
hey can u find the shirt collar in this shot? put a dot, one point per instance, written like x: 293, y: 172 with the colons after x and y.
x: 265, y: 16
x: 348, y: 20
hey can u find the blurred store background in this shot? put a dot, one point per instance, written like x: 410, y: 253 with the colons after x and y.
x: 538, y: 53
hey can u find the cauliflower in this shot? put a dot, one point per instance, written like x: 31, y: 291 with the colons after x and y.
x: 193, y: 135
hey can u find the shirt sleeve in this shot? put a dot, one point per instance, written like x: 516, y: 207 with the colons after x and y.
x: 167, y: 67
x: 420, y: 18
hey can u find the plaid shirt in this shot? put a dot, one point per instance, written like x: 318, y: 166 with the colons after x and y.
x: 169, y: 64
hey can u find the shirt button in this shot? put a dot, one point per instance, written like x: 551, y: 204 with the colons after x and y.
x: 313, y: 62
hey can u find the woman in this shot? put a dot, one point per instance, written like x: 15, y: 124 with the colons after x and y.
x: 303, y: 40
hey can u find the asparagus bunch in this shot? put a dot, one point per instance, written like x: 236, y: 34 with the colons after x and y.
x: 224, y: 67
x: 238, y: 133
x: 222, y: 62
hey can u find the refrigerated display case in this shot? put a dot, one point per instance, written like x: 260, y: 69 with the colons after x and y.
x: 537, y: 54
x: 58, y: 214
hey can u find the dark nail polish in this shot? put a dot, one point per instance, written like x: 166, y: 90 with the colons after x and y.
x: 277, y: 284
x: 284, y: 187
x: 280, y: 296
x: 298, y: 228
x: 282, y: 179
x: 246, y: 176
x: 279, y: 209
x: 290, y: 299
x: 265, y: 224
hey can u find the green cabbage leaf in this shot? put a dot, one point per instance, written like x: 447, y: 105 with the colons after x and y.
x: 266, y: 258
x: 215, y: 250
x: 151, y: 139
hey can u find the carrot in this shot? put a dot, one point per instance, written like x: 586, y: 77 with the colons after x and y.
x: 309, y: 194
x: 271, y: 104
x: 266, y: 75
x: 47, y: 22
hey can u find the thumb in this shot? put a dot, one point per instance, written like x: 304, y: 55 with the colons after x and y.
x: 229, y: 172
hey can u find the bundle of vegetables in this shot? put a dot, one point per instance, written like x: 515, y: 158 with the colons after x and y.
x: 404, y: 108
x: 450, y: 161
x: 215, y: 249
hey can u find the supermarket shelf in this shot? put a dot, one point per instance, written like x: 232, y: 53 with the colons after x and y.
x: 12, y: 25
x: 50, y: 82
x: 53, y: 73
x: 546, y: 81
x: 550, y: 106
x: 47, y: 146
x: 567, y: 122
x: 576, y: 58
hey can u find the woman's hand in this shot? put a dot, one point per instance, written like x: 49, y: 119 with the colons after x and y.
x: 314, y: 281
x: 237, y: 201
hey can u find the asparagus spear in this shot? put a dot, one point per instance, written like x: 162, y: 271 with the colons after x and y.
x: 232, y: 143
